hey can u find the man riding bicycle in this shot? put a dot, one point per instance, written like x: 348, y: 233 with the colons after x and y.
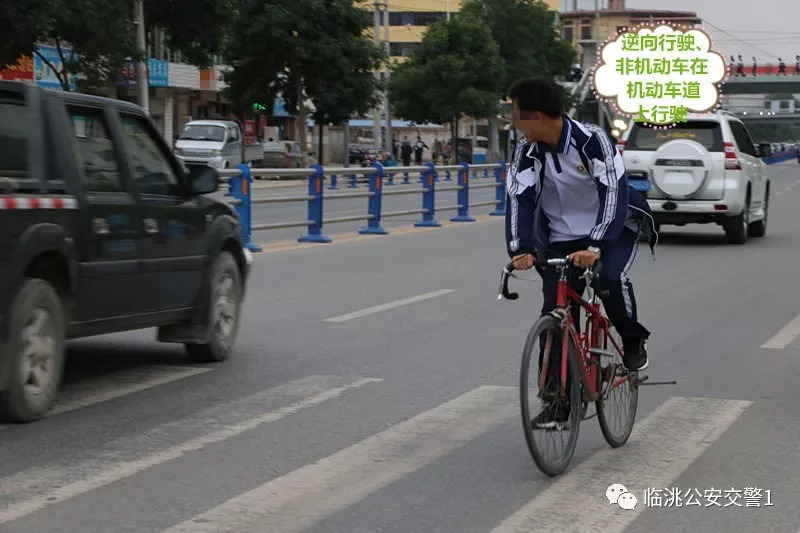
x: 568, y: 195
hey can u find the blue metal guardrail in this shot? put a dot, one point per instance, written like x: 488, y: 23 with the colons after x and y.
x: 430, y: 176
x: 780, y: 157
x: 378, y: 176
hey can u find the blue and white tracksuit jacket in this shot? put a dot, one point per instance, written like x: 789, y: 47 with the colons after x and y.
x: 584, y: 163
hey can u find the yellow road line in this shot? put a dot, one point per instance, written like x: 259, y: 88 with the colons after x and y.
x: 286, y: 246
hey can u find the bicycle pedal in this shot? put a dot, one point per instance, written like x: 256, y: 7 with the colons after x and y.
x: 602, y: 353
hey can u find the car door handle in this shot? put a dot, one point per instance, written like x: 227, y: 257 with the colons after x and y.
x: 150, y: 226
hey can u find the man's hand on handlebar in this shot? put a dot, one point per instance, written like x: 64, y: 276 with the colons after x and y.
x: 523, y: 262
x: 584, y: 258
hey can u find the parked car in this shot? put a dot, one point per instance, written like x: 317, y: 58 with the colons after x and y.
x: 705, y: 170
x: 101, y: 230
x: 285, y: 154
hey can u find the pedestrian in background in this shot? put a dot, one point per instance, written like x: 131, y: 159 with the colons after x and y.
x: 419, y: 147
x: 405, y: 152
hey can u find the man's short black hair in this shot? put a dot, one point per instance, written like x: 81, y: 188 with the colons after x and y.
x: 538, y: 94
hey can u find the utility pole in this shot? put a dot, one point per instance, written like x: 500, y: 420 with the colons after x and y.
x: 600, y: 113
x: 376, y: 131
x: 388, y: 144
x: 142, y: 84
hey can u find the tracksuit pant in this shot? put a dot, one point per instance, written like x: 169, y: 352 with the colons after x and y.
x: 620, y: 304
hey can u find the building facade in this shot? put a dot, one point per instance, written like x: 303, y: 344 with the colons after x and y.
x: 408, y: 20
x: 583, y: 29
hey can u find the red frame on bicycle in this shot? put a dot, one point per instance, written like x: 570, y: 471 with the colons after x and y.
x: 596, y: 322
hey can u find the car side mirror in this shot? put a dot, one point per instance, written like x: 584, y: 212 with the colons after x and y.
x: 202, y: 180
x: 764, y: 150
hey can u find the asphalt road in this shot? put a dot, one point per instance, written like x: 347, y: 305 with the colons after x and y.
x: 404, y: 418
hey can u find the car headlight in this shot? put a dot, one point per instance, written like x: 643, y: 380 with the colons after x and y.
x: 216, y: 153
x: 178, y: 151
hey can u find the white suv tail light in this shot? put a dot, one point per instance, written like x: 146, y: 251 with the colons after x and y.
x: 731, y: 161
x: 621, y: 146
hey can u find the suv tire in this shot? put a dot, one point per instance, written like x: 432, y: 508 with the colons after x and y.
x: 36, y: 351
x: 736, y: 228
x: 224, y: 302
x: 759, y: 227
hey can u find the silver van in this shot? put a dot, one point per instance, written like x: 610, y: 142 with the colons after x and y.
x: 215, y: 143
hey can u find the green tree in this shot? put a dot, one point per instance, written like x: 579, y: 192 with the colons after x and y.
x: 525, y: 33
x: 457, y: 70
x: 23, y: 22
x: 315, y: 50
x: 94, y: 37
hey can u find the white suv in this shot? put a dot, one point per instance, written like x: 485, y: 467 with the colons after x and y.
x: 701, y: 171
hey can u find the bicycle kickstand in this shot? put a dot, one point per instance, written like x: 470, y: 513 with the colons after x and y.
x: 644, y: 381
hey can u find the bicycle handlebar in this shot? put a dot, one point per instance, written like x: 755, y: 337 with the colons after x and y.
x: 592, y: 275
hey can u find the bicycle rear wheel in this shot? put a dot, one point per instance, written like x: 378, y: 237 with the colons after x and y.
x: 616, y: 413
x: 547, y: 333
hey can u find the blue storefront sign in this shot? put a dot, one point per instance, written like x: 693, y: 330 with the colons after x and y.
x: 43, y: 74
x: 279, y: 108
x: 159, y: 72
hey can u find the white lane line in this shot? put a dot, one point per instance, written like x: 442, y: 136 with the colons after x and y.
x: 295, y: 501
x: 661, y: 447
x: 390, y: 305
x: 112, y: 386
x: 36, y: 488
x: 787, y: 333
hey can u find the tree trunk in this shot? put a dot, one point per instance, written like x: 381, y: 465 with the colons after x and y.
x: 302, y: 125
x: 320, y: 153
x: 454, y: 153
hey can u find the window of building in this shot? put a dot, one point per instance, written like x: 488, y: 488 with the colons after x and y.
x: 567, y: 33
x: 402, y: 49
x: 586, y: 29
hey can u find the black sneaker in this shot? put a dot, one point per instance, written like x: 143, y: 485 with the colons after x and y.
x: 552, y: 417
x: 635, y: 356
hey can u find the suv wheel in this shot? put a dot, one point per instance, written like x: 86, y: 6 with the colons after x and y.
x: 736, y: 227
x: 225, y: 295
x: 36, y: 351
x: 759, y: 227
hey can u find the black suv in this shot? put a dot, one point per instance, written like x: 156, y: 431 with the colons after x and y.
x: 102, y: 230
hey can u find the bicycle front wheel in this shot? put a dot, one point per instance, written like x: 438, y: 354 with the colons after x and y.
x: 616, y: 410
x: 551, y: 431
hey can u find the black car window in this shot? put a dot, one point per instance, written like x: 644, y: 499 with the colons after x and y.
x: 15, y: 134
x: 152, y: 170
x: 99, y: 156
x: 707, y: 133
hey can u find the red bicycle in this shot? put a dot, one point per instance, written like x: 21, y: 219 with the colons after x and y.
x: 594, y: 355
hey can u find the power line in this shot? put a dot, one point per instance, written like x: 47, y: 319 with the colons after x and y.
x: 706, y: 21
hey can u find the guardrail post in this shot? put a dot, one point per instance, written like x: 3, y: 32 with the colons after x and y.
x: 447, y: 176
x: 390, y: 181
x: 463, y: 196
x: 315, y: 207
x: 406, y: 179
x: 500, y: 191
x: 353, y: 182
x: 239, y: 187
x: 373, y: 226
x: 428, y: 178
x: 334, y: 186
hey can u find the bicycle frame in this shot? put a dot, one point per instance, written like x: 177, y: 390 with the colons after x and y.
x: 586, y: 342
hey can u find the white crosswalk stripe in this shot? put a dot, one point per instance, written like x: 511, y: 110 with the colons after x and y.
x: 93, y: 391
x: 659, y: 449
x: 32, y: 490
x: 663, y: 445
x: 293, y: 502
